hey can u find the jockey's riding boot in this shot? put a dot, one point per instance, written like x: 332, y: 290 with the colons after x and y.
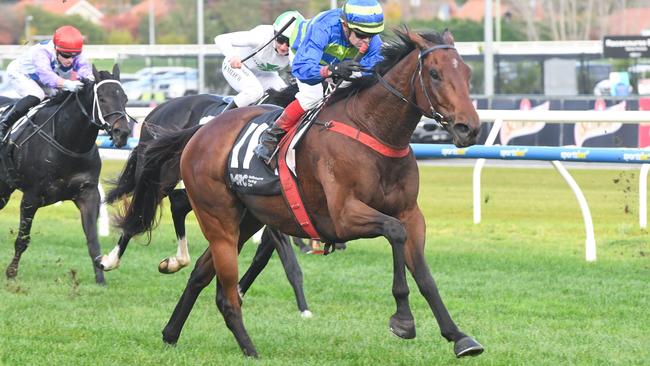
x: 269, y: 140
x: 18, y: 110
x: 271, y: 136
x: 231, y: 105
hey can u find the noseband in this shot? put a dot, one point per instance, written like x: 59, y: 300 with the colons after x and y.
x: 432, y: 113
x: 102, y: 124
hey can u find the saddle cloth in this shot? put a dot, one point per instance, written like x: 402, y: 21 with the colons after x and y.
x: 220, y: 102
x: 19, y: 126
x: 249, y: 174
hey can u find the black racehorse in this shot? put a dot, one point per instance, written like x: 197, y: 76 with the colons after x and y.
x: 175, y: 115
x: 51, y: 156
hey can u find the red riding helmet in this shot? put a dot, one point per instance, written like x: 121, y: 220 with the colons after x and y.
x: 68, y: 39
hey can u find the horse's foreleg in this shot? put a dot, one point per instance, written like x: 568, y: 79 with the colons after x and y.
x: 200, y: 277
x: 27, y: 212
x: 5, y: 194
x: 415, y: 226
x: 358, y: 220
x: 180, y: 207
x: 88, y: 202
x: 291, y: 269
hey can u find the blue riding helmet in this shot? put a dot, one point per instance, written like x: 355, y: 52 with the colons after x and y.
x: 366, y: 16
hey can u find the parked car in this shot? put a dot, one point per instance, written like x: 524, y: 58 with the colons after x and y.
x: 429, y: 131
x: 165, y: 82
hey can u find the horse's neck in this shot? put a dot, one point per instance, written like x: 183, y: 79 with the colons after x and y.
x: 73, y: 130
x: 385, y: 115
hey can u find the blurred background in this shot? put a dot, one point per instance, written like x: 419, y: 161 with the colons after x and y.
x: 539, y: 49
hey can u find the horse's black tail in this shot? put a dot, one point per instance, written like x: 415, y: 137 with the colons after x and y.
x: 161, y: 157
x: 125, y: 183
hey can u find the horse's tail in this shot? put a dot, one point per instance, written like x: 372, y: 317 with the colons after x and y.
x: 125, y: 183
x: 161, y: 157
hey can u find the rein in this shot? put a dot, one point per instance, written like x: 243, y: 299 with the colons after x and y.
x: 432, y: 113
x: 38, y: 129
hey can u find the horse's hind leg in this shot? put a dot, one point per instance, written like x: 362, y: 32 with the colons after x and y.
x: 260, y: 260
x: 201, y: 276
x: 291, y: 269
x: 273, y: 239
x: 180, y: 207
x: 88, y: 202
x: 463, y: 345
x: 28, y: 210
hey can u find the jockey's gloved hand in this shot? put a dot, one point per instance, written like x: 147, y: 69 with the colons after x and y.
x: 72, y: 85
x: 345, y: 69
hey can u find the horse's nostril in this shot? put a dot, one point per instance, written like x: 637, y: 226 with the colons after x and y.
x: 461, y: 129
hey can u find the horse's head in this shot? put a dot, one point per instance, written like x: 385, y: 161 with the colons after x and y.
x: 109, y: 105
x: 443, y: 88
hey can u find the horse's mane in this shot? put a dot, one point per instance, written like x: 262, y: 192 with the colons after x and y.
x: 282, y: 97
x: 58, y: 98
x: 393, y: 52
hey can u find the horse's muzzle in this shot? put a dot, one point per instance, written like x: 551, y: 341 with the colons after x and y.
x: 119, y: 137
x: 463, y: 135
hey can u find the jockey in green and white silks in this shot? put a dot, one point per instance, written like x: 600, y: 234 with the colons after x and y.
x: 322, y: 47
x: 260, y: 72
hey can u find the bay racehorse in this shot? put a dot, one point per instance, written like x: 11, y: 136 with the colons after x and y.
x: 51, y: 156
x: 357, y: 176
x: 174, y: 115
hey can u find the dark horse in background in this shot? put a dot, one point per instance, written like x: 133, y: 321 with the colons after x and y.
x: 350, y: 190
x: 52, y: 156
x: 175, y: 115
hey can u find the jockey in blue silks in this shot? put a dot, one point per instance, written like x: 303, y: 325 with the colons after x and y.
x: 44, y: 69
x: 323, y: 47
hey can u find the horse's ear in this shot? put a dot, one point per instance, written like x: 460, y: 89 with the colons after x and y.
x: 447, y: 37
x: 418, y: 40
x: 116, y: 72
x: 96, y: 73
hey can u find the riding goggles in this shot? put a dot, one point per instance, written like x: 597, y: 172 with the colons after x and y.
x: 281, y: 39
x: 68, y: 55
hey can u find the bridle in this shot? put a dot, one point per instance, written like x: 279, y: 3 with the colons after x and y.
x: 102, y: 124
x: 431, y: 113
x: 96, y: 110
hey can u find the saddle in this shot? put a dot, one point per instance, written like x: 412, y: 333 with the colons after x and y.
x: 251, y: 175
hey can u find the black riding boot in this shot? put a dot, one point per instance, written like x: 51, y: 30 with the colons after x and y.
x: 269, y: 142
x: 229, y: 106
x: 18, y: 110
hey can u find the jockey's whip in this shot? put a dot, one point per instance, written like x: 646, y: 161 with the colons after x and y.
x: 271, y: 40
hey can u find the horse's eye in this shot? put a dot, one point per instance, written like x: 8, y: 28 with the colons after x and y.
x: 434, y: 74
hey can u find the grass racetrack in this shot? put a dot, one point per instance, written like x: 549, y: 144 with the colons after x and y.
x: 518, y: 283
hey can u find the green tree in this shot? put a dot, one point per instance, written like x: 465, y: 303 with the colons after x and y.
x: 119, y: 37
x: 45, y: 23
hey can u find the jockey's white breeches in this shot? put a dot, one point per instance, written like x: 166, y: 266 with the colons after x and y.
x: 23, y: 84
x: 309, y: 95
x: 250, y: 85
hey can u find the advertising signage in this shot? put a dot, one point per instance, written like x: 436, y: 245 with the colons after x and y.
x: 626, y: 46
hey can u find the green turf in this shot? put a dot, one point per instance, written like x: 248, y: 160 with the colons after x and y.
x: 518, y: 283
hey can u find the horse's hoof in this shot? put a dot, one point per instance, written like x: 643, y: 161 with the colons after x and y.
x: 306, y: 314
x: 169, y: 341
x: 11, y: 273
x: 98, y: 262
x: 467, y: 346
x: 404, y: 329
